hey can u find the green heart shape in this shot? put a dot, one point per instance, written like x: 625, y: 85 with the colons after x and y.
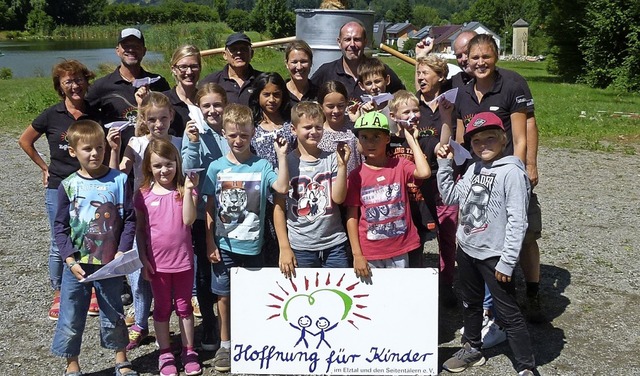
x: 346, y: 299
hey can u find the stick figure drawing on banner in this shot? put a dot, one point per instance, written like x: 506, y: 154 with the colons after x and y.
x: 304, y: 322
x: 323, y: 325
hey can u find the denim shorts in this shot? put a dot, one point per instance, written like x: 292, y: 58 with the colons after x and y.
x: 74, y: 303
x: 335, y: 257
x: 220, y: 278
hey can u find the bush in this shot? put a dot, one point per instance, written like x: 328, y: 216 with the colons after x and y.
x: 238, y: 20
x: 6, y: 73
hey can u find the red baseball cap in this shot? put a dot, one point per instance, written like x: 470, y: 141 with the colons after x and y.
x: 481, y: 122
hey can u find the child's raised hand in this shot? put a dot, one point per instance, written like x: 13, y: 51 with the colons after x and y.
x: 113, y: 138
x: 192, y: 131
x: 445, y: 152
x: 141, y: 94
x: 367, y: 107
x: 280, y: 144
x: 354, y: 111
x: 344, y: 153
x: 191, y: 180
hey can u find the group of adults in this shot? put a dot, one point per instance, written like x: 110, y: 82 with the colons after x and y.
x: 482, y: 87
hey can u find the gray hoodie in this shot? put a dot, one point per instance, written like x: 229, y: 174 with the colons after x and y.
x: 493, y: 201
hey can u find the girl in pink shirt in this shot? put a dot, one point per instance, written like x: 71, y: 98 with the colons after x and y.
x: 165, y: 208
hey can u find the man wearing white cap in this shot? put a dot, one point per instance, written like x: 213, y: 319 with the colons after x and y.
x: 114, y: 94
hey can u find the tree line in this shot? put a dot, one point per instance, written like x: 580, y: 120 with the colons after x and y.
x: 596, y: 42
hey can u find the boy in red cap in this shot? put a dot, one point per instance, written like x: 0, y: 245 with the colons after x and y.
x: 493, y: 196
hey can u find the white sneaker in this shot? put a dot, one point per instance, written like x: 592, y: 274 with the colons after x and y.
x: 492, y: 335
x: 485, y: 321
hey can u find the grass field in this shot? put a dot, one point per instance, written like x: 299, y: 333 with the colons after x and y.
x: 568, y: 115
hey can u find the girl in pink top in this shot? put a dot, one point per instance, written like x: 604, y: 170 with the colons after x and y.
x: 165, y: 208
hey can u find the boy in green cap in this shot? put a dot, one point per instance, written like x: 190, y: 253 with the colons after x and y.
x: 384, y: 233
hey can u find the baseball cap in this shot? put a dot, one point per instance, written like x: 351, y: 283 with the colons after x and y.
x: 372, y: 120
x: 481, y: 122
x: 237, y: 37
x: 130, y: 32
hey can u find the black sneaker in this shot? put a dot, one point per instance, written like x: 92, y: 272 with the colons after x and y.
x: 534, y: 310
x: 466, y: 357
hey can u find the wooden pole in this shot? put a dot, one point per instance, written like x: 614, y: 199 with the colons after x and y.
x: 397, y: 54
x: 264, y: 43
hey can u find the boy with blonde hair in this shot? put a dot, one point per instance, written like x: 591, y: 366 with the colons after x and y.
x: 307, y: 220
x: 236, y: 187
x: 95, y: 223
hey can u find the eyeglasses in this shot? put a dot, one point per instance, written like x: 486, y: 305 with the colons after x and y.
x: 184, y: 68
x: 77, y: 81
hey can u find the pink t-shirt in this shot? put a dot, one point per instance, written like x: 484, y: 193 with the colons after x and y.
x: 169, y: 247
x: 385, y: 229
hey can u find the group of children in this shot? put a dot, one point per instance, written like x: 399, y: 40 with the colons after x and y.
x: 326, y: 188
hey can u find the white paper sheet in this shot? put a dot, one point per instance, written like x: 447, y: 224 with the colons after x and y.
x: 196, y: 115
x: 449, y: 95
x: 460, y: 154
x: 342, y: 138
x: 139, y: 82
x: 377, y: 99
x: 123, y: 265
x: 120, y: 125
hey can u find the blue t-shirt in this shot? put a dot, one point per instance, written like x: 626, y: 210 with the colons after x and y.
x: 241, y: 192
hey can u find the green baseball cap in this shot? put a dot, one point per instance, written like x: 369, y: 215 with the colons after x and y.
x: 372, y: 120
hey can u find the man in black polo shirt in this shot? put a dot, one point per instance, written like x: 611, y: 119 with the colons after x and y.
x: 237, y: 76
x: 352, y: 41
x: 114, y: 94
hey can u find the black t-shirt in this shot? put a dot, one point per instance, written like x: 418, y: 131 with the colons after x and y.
x: 115, y: 98
x: 54, y: 123
x: 421, y: 212
x: 235, y: 93
x: 334, y: 71
x: 181, y: 116
x: 505, y: 97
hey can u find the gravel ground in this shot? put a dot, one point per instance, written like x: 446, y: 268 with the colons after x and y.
x: 589, y: 274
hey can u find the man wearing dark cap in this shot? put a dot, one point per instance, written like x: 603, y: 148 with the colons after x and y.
x: 237, y: 76
x: 114, y: 94
x: 352, y: 41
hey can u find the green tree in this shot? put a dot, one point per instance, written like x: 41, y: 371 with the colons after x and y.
x: 39, y: 22
x: 402, y: 11
x: 238, y: 20
x: 221, y: 7
x: 273, y: 17
x: 611, y: 47
x: 424, y: 15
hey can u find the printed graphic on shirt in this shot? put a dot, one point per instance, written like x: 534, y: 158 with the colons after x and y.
x: 474, y: 214
x: 386, y: 230
x: 384, y: 211
x: 312, y: 197
x: 238, y: 205
x: 95, y: 219
x: 380, y: 193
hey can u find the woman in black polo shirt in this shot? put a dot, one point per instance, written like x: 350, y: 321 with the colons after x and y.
x: 299, y: 59
x: 71, y: 82
x: 186, y: 64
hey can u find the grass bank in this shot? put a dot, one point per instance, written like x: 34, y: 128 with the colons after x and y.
x: 569, y: 115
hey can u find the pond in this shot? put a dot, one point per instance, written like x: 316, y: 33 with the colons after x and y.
x: 36, y: 58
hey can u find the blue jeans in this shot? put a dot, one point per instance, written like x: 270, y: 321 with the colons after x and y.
x: 335, y: 257
x: 142, y: 296
x: 74, y: 303
x: 55, y: 262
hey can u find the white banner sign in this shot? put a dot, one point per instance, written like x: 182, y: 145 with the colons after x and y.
x: 327, y: 321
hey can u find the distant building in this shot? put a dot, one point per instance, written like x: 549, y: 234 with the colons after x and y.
x: 399, y: 33
x: 478, y: 28
x: 520, y: 45
x: 380, y: 32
